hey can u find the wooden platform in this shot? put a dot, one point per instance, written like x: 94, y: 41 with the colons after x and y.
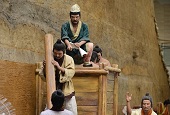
x: 90, y: 87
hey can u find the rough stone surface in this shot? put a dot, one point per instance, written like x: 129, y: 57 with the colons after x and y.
x: 125, y: 30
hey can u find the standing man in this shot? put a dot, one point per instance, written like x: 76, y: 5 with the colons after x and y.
x: 100, y: 58
x: 76, y: 32
x: 146, y: 105
x: 57, y: 100
x: 64, y: 71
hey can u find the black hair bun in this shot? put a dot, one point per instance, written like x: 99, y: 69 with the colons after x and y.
x: 59, y: 41
x: 147, y: 94
x: 96, y: 46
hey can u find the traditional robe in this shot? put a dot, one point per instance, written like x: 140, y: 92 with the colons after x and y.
x: 82, y: 34
x: 66, y: 78
x: 50, y: 112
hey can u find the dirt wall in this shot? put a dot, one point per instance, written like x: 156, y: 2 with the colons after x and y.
x: 17, y: 84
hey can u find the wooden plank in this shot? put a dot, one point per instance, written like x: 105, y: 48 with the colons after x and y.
x: 91, y: 71
x: 87, y: 113
x: 87, y: 110
x: 85, y: 84
x: 87, y: 99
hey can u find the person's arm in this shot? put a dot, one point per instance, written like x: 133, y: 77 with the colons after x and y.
x: 69, y: 47
x: 69, y: 67
x: 64, y: 35
x: 78, y: 44
x: 128, y: 99
x: 56, y: 64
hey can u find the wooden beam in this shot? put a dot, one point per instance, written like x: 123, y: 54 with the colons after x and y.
x: 50, y: 74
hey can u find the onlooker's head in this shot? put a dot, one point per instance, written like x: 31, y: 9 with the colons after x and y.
x: 94, y: 57
x: 146, y: 102
x: 98, y: 50
x: 59, y: 49
x: 75, y: 14
x: 166, y: 102
x: 57, y: 100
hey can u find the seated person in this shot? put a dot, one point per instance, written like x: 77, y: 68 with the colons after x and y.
x: 101, y: 59
x: 57, y: 100
x: 146, y: 105
x: 76, y: 32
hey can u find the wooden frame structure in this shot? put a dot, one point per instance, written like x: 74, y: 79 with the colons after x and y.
x: 91, y: 89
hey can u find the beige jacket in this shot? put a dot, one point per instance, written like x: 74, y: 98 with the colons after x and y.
x: 69, y: 66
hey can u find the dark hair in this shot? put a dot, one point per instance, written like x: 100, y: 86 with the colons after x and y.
x: 75, y: 13
x: 97, y: 49
x: 94, y: 57
x: 166, y: 102
x: 146, y: 97
x: 59, y: 45
x: 57, y: 99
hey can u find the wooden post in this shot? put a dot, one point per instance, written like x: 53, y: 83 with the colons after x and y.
x: 115, y: 90
x: 115, y: 94
x: 114, y: 69
x: 37, y: 90
x: 39, y: 96
x: 102, y: 92
x: 50, y: 74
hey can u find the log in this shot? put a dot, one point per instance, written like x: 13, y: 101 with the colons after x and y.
x: 50, y: 74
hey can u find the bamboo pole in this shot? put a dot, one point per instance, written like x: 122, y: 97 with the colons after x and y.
x: 50, y: 74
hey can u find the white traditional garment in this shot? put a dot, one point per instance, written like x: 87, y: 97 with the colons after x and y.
x: 138, y: 112
x: 51, y: 112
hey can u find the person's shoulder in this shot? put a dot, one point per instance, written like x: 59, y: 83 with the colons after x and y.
x: 84, y: 24
x: 153, y: 113
x: 68, y: 112
x: 46, y: 112
x: 136, y: 111
x: 66, y: 23
x: 103, y: 60
x: 68, y: 57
